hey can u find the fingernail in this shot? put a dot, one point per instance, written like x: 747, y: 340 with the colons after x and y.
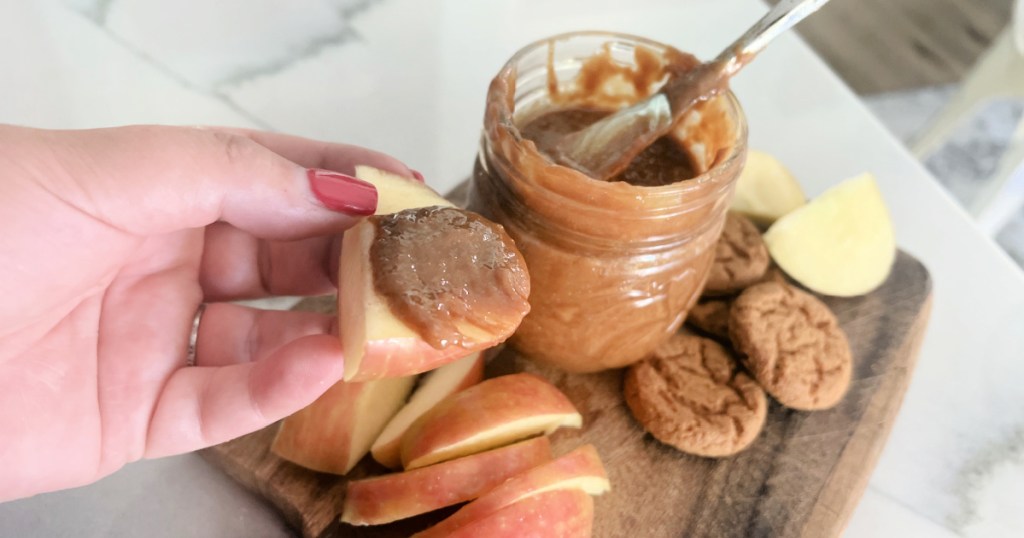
x: 342, y: 192
x: 417, y: 175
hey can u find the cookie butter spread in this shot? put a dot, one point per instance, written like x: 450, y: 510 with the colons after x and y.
x: 615, y: 264
x: 448, y: 273
x: 662, y: 163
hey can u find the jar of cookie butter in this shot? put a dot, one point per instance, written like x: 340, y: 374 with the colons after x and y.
x: 614, y: 265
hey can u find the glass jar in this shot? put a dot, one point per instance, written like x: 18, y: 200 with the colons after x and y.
x: 614, y: 267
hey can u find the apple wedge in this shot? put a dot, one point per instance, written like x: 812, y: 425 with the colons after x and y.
x: 766, y: 191
x: 492, y: 413
x: 375, y: 342
x: 333, y: 433
x: 434, y: 387
x: 565, y: 513
x: 396, y: 193
x: 841, y: 243
x: 378, y: 343
x: 579, y: 470
x: 367, y: 326
x: 383, y: 499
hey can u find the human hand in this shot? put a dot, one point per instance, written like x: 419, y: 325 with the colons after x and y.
x: 111, y: 239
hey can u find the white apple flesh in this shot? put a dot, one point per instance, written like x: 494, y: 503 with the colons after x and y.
x: 841, y: 243
x: 766, y: 190
x: 396, y: 193
x: 492, y: 413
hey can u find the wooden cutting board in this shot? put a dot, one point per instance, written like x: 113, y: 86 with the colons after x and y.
x: 801, y: 477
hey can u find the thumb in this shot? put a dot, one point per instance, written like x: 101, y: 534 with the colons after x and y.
x: 203, y: 406
x: 152, y: 179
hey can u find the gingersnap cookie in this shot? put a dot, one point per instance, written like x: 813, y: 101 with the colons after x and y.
x: 691, y: 394
x: 773, y: 274
x: 741, y: 258
x: 793, y: 345
x: 711, y: 316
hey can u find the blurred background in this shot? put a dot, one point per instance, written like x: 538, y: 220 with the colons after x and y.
x: 947, y: 78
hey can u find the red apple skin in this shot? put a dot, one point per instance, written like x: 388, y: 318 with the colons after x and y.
x: 301, y: 439
x: 323, y: 436
x: 568, y: 472
x: 399, y: 357
x: 484, y: 407
x: 389, y: 454
x: 383, y: 499
x: 567, y: 513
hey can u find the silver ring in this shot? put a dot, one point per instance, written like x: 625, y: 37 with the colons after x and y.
x: 193, y: 337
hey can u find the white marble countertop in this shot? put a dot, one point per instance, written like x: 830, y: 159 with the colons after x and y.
x: 408, y: 77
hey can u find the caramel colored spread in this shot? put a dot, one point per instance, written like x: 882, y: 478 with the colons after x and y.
x: 662, y: 163
x: 606, y: 83
x: 606, y: 80
x: 444, y: 270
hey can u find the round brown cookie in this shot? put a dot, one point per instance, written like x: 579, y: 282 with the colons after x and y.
x: 792, y: 344
x: 741, y: 258
x: 773, y: 274
x: 711, y: 316
x: 692, y: 395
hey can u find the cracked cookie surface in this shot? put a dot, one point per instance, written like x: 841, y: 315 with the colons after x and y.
x: 793, y: 345
x: 711, y: 316
x: 691, y: 394
x: 741, y: 257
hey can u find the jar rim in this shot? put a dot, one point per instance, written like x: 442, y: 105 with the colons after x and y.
x: 736, y: 146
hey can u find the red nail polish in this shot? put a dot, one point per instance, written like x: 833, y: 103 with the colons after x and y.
x: 342, y: 192
x: 417, y: 175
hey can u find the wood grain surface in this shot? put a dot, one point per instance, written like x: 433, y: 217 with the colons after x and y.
x: 801, y: 477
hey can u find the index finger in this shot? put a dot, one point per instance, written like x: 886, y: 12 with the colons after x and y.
x: 327, y: 155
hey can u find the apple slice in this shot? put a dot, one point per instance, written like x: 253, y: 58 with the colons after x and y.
x: 333, y: 433
x: 377, y: 344
x: 766, y: 190
x: 396, y: 193
x: 493, y: 413
x: 841, y: 243
x: 383, y: 499
x: 386, y: 335
x: 580, y: 470
x: 435, y: 386
x: 555, y: 514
